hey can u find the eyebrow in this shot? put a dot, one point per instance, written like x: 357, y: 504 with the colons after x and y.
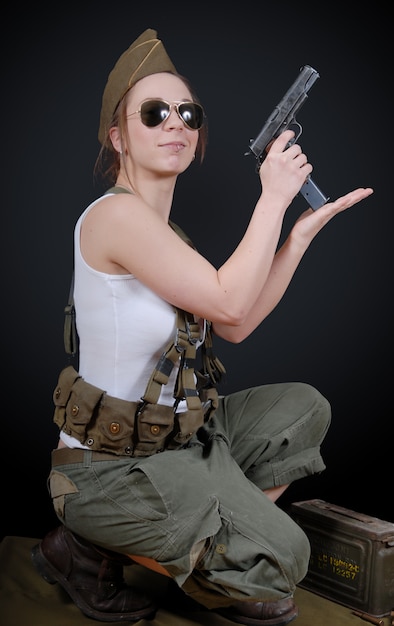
x: 165, y: 100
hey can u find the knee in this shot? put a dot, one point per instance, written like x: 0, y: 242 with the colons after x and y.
x: 294, y: 548
x: 302, y: 551
x: 322, y: 411
x: 315, y: 405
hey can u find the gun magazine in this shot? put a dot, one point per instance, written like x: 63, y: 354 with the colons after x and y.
x: 313, y: 194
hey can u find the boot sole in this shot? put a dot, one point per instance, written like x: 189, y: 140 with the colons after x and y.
x: 281, y: 620
x: 52, y: 576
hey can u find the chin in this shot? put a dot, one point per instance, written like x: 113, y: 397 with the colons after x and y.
x: 179, y: 166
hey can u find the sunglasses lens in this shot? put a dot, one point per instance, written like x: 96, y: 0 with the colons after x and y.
x: 154, y: 112
x: 192, y: 114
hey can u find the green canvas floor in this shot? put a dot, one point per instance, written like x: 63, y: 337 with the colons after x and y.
x: 27, y: 600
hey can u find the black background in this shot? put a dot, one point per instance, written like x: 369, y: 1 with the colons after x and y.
x: 332, y: 328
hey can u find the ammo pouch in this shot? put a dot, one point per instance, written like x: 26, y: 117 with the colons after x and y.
x: 109, y: 424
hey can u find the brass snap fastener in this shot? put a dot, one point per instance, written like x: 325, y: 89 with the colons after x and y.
x: 114, y: 428
x: 57, y: 393
x: 75, y: 410
x: 155, y: 429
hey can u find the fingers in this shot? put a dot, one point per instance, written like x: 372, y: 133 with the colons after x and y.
x: 351, y: 198
x: 293, y: 151
x: 281, y: 142
x: 286, y: 167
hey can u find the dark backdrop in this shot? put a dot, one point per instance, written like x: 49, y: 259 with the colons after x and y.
x: 332, y: 328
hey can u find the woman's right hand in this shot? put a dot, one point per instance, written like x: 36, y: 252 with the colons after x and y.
x: 284, y: 169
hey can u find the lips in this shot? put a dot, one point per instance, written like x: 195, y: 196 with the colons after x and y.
x: 174, y: 145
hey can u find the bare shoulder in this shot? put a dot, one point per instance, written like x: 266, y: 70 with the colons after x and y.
x: 117, y: 211
x: 112, y: 204
x: 104, y: 229
x: 119, y: 232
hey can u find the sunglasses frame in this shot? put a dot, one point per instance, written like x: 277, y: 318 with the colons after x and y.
x: 176, y: 105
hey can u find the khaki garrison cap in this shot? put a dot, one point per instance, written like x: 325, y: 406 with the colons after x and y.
x: 145, y: 56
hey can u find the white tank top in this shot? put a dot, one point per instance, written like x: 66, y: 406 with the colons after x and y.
x: 123, y: 329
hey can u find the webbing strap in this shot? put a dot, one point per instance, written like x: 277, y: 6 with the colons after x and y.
x: 185, y: 386
x: 213, y: 368
x: 183, y: 350
x: 70, y: 336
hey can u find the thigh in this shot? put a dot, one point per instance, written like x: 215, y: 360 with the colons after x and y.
x: 158, y: 507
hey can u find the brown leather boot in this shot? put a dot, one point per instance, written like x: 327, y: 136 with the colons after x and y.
x: 92, y: 576
x: 261, y: 613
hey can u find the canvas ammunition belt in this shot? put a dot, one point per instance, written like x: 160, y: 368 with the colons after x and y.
x: 109, y: 424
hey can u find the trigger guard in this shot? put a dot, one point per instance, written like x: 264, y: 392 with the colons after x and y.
x: 296, y: 126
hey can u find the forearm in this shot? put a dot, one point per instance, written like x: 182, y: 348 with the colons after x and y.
x: 244, y: 274
x: 285, y: 263
x: 282, y: 270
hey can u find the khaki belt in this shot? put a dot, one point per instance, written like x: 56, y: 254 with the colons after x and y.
x: 67, y: 456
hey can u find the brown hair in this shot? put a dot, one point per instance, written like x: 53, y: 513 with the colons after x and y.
x: 107, y: 164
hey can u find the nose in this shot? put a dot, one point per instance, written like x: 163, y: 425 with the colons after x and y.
x: 174, y: 120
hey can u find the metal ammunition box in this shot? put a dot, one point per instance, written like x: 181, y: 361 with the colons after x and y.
x: 352, y: 556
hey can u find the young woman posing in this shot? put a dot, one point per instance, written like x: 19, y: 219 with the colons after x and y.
x: 178, y: 479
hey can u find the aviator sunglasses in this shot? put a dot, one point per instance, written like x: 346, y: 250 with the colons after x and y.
x: 154, y: 112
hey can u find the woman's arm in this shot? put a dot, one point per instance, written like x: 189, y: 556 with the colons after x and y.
x: 285, y: 263
x: 125, y: 234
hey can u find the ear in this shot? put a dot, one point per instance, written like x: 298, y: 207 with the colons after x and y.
x: 114, y: 135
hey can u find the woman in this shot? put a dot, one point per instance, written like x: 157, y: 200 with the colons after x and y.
x: 152, y: 467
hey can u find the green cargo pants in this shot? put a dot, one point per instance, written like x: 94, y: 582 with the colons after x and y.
x: 208, y: 495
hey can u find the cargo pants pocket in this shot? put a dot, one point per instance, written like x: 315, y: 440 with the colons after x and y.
x: 60, y: 485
